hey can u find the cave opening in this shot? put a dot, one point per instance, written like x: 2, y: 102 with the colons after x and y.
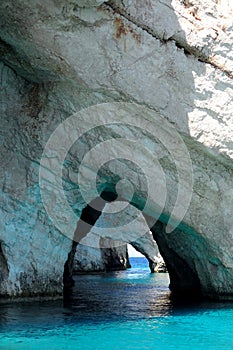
x: 136, y: 253
x: 137, y: 259
x: 184, y: 280
x: 115, y: 256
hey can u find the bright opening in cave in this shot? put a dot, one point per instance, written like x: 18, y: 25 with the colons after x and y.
x: 133, y: 253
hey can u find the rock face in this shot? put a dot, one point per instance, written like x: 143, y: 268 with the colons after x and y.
x: 96, y: 259
x: 98, y: 252
x: 173, y: 61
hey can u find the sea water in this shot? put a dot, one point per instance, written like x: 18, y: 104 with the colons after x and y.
x: 118, y: 311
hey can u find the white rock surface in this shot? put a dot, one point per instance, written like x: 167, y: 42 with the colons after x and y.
x: 89, y: 3
x: 172, y: 56
x: 91, y: 256
x: 95, y: 252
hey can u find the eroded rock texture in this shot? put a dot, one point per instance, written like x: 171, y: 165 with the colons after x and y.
x: 99, y: 252
x: 173, y: 57
x: 90, y: 259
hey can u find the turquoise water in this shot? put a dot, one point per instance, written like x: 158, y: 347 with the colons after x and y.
x: 122, y: 310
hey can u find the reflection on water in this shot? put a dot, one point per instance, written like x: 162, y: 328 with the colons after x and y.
x: 128, y: 309
x: 109, y: 296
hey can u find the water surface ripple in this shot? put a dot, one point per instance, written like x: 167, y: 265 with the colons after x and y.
x: 128, y: 310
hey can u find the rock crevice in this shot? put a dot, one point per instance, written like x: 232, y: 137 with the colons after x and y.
x: 180, y: 44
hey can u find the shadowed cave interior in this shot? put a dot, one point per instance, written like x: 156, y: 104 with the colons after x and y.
x: 4, y: 271
x: 184, y: 280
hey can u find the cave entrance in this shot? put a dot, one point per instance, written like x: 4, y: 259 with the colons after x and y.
x: 180, y: 263
x: 133, y: 253
x: 137, y: 259
x: 147, y: 256
x: 109, y: 254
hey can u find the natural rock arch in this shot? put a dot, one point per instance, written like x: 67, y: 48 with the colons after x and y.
x: 188, y: 257
x: 98, y: 251
x: 46, y: 78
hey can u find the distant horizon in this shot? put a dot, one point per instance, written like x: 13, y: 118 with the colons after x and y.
x: 133, y: 253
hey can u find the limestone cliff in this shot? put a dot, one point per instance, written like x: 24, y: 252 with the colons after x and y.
x: 172, y: 62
